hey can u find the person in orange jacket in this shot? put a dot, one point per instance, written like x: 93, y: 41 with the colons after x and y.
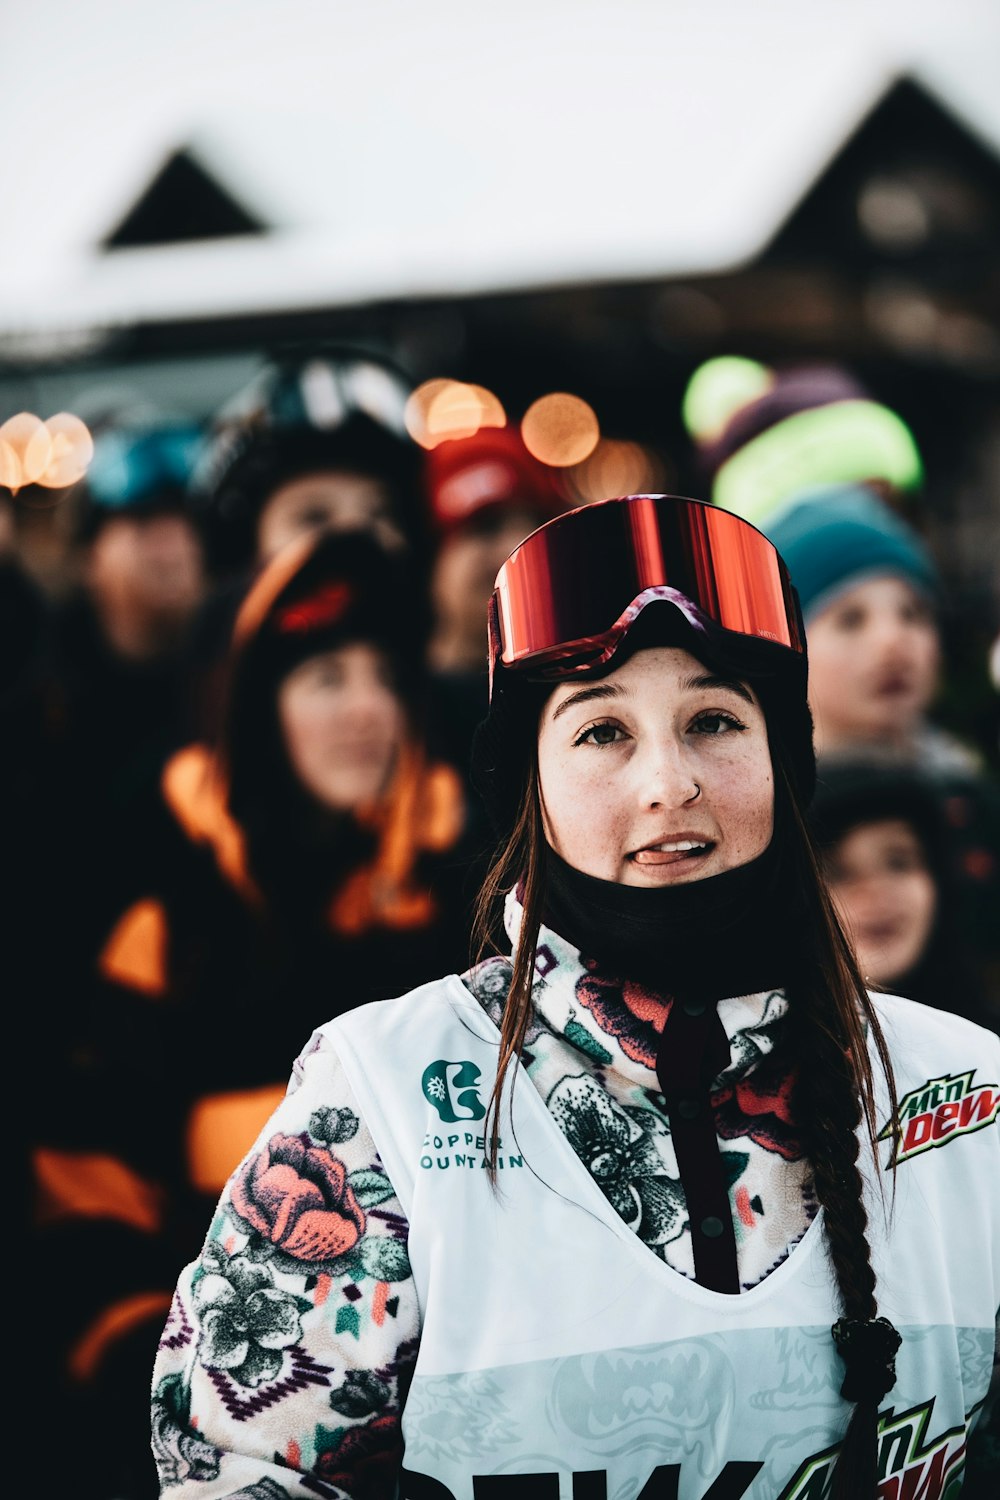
x: 311, y: 861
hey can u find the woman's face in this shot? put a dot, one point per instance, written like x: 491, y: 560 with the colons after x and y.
x: 658, y: 774
x: 873, y: 663
x: 331, y: 500
x: 343, y: 724
x: 468, y: 559
x: 878, y: 877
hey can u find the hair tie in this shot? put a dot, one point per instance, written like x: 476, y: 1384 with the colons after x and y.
x: 868, y: 1348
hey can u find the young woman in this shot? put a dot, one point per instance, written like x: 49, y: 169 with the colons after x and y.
x: 608, y: 1216
x: 309, y: 862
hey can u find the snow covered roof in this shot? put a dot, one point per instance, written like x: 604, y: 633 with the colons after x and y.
x: 393, y: 151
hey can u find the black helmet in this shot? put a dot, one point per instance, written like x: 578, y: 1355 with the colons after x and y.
x: 329, y: 406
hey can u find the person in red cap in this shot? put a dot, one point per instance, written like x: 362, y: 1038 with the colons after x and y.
x: 485, y: 494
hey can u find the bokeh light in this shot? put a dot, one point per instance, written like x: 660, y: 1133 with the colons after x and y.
x: 717, y: 389
x: 418, y: 404
x: 492, y: 413
x: 25, y: 450
x: 616, y: 468
x: 53, y: 454
x: 560, y: 429
x: 72, y: 451
x: 440, y: 410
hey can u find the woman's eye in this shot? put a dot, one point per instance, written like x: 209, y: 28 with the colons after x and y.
x: 915, y: 613
x: 599, y: 734
x: 903, y: 862
x: 312, y: 519
x: 717, y: 724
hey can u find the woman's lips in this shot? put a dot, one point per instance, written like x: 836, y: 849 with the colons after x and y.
x: 894, y: 687
x: 672, y: 852
x: 359, y: 753
x: 881, y: 932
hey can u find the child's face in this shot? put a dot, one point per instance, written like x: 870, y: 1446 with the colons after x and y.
x: 873, y: 663
x: 878, y: 876
x: 148, y: 572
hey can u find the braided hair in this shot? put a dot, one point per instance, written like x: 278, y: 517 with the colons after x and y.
x: 832, y: 1019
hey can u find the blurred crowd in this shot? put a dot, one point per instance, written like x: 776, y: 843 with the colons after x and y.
x: 237, y: 796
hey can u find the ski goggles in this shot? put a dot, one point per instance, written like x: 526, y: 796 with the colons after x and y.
x: 566, y: 597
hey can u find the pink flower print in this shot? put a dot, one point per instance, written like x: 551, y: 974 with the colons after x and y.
x: 297, y: 1198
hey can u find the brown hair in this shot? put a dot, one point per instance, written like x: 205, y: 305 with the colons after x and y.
x: 831, y: 1016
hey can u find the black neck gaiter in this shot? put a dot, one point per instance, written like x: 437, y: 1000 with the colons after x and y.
x: 697, y: 943
x: 732, y: 934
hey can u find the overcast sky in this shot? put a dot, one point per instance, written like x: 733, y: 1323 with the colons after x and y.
x: 506, y: 136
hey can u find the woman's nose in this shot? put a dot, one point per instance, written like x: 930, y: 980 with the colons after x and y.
x: 892, y: 635
x: 362, y: 703
x: 666, y: 777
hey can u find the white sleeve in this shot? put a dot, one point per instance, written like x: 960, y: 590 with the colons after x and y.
x: 290, y: 1342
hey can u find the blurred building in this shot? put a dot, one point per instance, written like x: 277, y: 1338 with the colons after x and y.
x: 870, y: 242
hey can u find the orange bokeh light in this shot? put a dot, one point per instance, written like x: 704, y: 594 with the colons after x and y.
x: 615, y: 468
x: 491, y: 412
x: 439, y: 410
x: 418, y: 404
x: 560, y: 429
x: 53, y: 454
x: 72, y: 451
x: 25, y: 450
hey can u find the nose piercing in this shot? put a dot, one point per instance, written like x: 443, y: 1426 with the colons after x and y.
x: 696, y: 793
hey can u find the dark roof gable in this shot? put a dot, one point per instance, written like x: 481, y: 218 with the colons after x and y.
x: 911, y: 180
x: 183, y: 203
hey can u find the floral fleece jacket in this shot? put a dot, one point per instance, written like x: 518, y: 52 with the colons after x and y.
x: 285, y: 1361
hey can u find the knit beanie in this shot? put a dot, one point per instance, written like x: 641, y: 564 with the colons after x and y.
x: 764, y: 436
x: 464, y: 477
x: 833, y: 539
x: 326, y: 590
x: 138, y: 471
x: 853, y: 792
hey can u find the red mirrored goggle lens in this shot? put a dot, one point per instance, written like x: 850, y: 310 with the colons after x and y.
x: 564, y: 595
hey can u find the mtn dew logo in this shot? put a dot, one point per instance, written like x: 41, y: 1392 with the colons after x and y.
x: 909, y: 1467
x: 937, y: 1112
x: 452, y: 1088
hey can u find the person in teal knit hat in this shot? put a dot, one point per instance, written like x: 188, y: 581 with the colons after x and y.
x: 870, y: 593
x: 871, y: 596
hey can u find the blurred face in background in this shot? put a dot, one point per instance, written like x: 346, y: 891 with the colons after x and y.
x: 885, y: 893
x: 343, y: 724
x: 468, y: 559
x: 146, y: 578
x: 332, y: 500
x: 874, y: 655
